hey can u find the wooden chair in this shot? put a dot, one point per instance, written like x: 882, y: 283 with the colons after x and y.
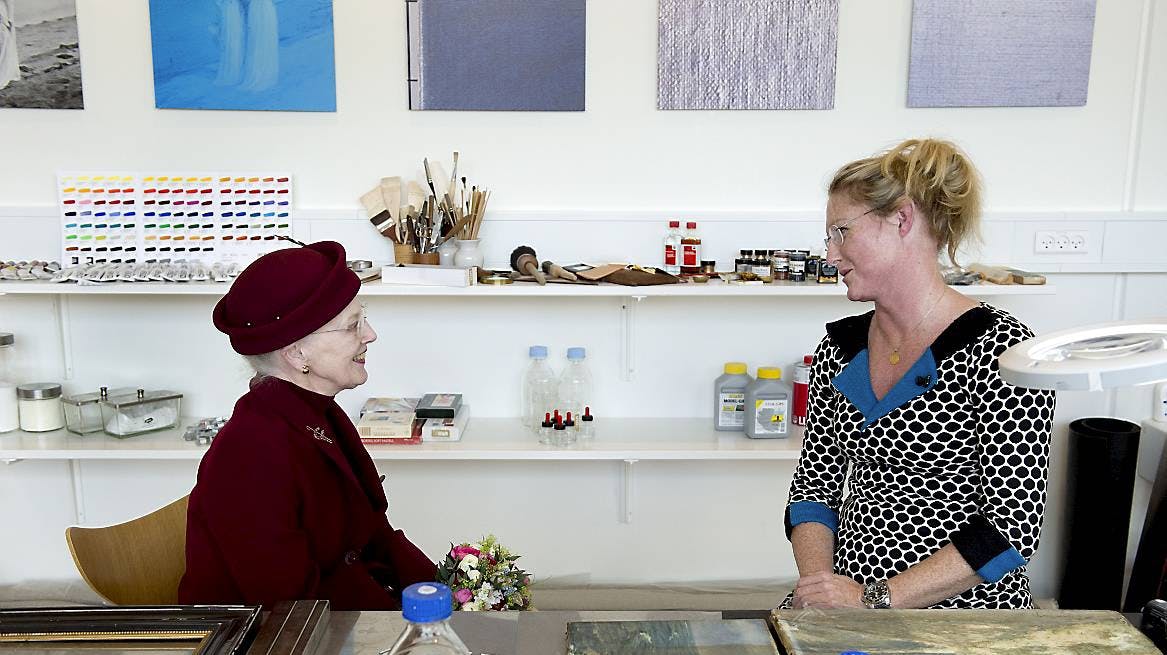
x: 139, y: 562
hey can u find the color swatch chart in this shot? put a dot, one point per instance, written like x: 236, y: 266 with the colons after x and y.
x: 203, y: 217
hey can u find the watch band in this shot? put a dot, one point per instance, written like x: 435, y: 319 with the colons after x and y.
x: 876, y: 595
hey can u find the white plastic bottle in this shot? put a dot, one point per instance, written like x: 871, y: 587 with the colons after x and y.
x: 768, y: 405
x: 1159, y: 404
x: 540, y: 388
x: 575, y: 383
x: 672, y: 259
x: 427, y: 607
x: 729, y: 397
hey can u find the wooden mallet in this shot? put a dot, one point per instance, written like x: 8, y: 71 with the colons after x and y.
x: 523, y: 260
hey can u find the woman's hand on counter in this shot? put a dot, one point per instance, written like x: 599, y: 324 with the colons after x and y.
x: 826, y: 590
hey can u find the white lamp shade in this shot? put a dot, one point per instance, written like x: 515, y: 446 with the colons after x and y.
x: 1092, y: 358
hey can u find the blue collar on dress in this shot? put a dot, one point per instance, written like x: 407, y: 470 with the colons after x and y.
x: 854, y: 382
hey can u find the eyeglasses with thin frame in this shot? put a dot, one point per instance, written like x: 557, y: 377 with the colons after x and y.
x: 356, y: 328
x: 835, y: 232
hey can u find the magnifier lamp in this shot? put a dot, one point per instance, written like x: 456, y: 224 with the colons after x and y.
x: 1095, y: 358
x: 1092, y: 358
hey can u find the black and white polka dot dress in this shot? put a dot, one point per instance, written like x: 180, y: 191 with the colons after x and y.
x: 951, y: 454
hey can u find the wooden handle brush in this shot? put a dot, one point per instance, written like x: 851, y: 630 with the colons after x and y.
x: 523, y: 260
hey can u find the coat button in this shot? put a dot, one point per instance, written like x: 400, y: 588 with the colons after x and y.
x: 351, y: 557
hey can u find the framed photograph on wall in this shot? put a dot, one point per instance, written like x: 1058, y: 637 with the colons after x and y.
x: 274, y: 55
x: 40, y: 57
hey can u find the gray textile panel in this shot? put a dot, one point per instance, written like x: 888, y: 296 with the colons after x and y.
x: 1000, y: 53
x: 524, y: 55
x: 747, y: 54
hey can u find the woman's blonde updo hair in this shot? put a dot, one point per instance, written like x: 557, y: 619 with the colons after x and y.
x: 934, y: 174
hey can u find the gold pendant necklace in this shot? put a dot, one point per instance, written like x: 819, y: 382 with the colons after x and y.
x: 894, y: 357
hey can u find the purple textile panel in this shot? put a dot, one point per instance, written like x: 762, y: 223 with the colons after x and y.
x: 747, y: 54
x: 516, y: 55
x: 1000, y: 53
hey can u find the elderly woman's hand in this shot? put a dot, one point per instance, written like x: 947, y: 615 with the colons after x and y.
x: 826, y: 590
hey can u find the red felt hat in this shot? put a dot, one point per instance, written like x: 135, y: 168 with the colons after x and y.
x: 284, y: 296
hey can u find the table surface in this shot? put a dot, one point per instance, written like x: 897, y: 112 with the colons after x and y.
x: 485, y: 633
x: 509, y: 633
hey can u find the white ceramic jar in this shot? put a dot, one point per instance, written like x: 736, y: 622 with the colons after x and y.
x: 40, y: 407
x: 9, y: 412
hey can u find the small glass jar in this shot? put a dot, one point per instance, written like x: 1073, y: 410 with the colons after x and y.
x: 126, y: 415
x: 828, y: 273
x: 812, y: 268
x: 797, y: 267
x: 709, y: 266
x: 781, y: 265
x: 40, y: 407
x: 83, y: 411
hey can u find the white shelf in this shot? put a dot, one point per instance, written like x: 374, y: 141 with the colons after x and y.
x: 712, y: 289
x: 628, y: 439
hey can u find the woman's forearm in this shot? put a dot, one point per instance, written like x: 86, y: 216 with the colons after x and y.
x: 814, y: 548
x: 942, y: 575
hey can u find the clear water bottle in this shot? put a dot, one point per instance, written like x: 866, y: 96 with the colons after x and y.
x: 575, y: 384
x: 427, y: 606
x: 540, y: 388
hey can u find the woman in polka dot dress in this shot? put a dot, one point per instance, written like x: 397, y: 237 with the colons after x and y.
x: 922, y: 478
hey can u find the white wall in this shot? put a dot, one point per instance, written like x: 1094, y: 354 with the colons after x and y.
x: 591, y: 185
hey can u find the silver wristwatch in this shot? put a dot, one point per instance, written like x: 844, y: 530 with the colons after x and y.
x: 876, y: 595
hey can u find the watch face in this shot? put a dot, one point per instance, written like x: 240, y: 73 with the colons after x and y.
x: 876, y: 596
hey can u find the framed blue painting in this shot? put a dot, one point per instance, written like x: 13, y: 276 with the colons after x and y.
x: 263, y: 55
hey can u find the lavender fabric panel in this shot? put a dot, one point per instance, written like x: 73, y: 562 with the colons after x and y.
x: 501, y: 55
x: 747, y: 54
x: 1000, y: 53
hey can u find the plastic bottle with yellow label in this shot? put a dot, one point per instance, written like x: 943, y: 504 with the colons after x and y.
x: 768, y: 405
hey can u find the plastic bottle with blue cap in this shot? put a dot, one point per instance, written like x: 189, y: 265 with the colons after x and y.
x: 427, y: 607
x: 540, y: 388
x: 575, y: 384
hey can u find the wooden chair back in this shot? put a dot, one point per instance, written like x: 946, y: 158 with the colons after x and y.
x: 139, y: 562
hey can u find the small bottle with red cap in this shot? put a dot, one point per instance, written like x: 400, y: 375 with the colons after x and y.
x: 801, y: 390
x: 587, y: 425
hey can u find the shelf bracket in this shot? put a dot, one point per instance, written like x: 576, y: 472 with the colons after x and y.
x: 628, y: 337
x: 12, y: 460
x: 61, y: 304
x: 628, y: 486
x: 78, y: 491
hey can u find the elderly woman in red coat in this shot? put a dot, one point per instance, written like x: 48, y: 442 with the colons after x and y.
x: 288, y: 504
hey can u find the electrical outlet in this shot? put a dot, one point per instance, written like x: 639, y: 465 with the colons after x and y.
x: 1061, y: 242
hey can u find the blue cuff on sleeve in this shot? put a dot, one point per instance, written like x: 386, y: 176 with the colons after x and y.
x: 808, y: 511
x: 1001, y: 565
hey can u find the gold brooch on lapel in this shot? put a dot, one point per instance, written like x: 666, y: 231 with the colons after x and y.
x: 319, y: 434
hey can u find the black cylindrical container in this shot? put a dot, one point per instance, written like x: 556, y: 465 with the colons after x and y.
x: 1101, y: 481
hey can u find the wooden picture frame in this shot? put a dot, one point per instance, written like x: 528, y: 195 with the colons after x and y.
x: 195, y: 630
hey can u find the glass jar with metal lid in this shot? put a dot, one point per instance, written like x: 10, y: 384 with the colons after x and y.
x: 40, y: 407
x: 129, y: 414
x: 83, y: 411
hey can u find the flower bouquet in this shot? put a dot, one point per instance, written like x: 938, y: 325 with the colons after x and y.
x: 483, y: 576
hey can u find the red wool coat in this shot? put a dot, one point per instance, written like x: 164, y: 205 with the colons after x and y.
x: 288, y: 506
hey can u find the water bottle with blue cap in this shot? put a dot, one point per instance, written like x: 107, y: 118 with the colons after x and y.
x: 426, y: 607
x: 575, y: 385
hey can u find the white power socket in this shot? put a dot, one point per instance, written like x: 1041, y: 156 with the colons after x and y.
x: 1062, y: 242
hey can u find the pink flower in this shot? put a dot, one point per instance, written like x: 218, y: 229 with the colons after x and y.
x: 458, y: 552
x: 463, y: 595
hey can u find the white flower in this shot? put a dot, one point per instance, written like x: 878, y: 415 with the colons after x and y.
x: 473, y: 575
x: 476, y: 546
x: 473, y: 606
x: 468, y: 562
